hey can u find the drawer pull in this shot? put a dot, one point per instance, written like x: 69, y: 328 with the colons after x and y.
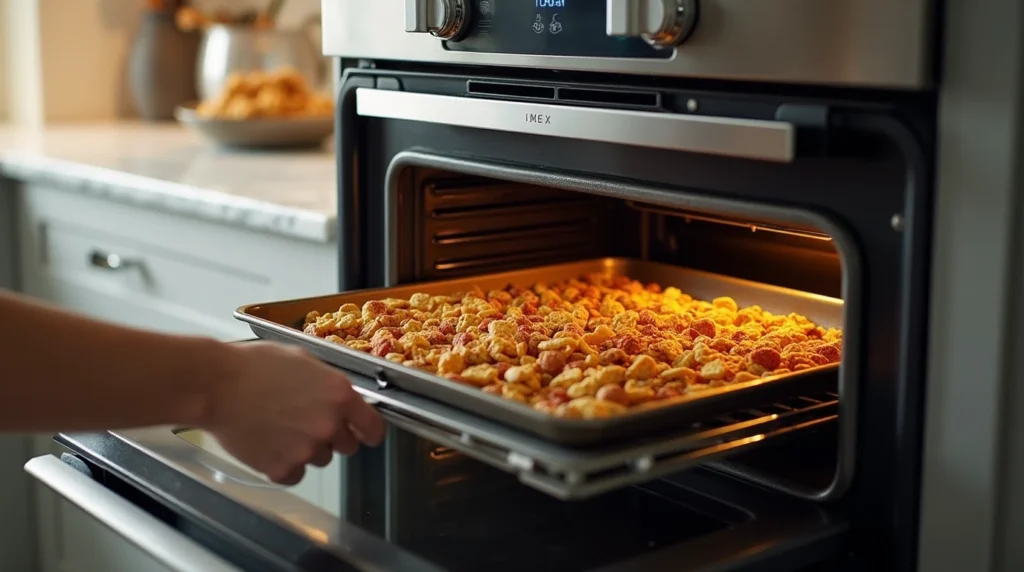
x: 110, y: 261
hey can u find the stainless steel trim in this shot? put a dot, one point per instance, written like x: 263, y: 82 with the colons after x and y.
x: 416, y: 15
x: 972, y: 467
x: 744, y: 138
x: 132, y: 523
x: 869, y: 43
x: 443, y: 19
x: 658, y: 22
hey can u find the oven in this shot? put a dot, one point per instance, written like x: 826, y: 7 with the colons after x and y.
x: 448, y: 175
x: 680, y: 142
x: 487, y: 144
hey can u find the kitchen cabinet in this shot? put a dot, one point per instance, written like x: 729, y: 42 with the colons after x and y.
x: 157, y: 271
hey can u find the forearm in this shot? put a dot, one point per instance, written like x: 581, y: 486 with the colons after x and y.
x: 61, y: 372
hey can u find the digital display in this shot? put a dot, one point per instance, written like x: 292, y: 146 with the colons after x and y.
x: 549, y: 28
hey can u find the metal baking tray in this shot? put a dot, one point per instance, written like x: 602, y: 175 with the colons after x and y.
x: 283, y: 321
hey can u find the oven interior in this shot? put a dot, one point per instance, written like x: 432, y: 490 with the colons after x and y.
x: 452, y: 225
x: 447, y: 224
x: 459, y: 503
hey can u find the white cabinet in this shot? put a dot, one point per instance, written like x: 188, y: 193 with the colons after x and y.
x: 161, y: 272
x: 108, y: 532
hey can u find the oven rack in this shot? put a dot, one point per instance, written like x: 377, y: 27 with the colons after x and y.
x: 690, y: 216
x: 576, y: 474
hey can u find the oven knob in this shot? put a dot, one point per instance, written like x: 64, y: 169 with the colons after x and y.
x: 445, y: 19
x: 659, y: 22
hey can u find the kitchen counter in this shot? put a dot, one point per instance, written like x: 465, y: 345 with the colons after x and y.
x: 167, y: 168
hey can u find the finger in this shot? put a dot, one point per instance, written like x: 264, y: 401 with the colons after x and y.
x: 364, y: 420
x: 345, y: 442
x: 290, y: 478
x: 323, y: 457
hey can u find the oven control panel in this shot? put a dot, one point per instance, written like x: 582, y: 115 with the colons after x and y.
x: 649, y: 29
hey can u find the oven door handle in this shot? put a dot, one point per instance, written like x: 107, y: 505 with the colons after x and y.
x: 726, y: 136
x: 142, y: 529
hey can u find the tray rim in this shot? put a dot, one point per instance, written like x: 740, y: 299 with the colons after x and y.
x: 607, y: 260
x: 636, y: 415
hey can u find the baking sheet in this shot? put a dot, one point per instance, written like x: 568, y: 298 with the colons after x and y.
x: 283, y: 321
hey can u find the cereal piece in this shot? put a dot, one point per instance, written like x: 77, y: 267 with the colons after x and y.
x: 480, y: 375
x: 639, y: 391
x: 666, y: 350
x: 705, y: 327
x: 768, y: 358
x: 501, y: 328
x: 552, y: 362
x: 683, y: 374
x: 587, y: 387
x: 501, y: 349
x: 725, y: 303
x: 713, y: 370
x: 609, y: 374
x: 600, y: 335
x: 567, y: 378
x: 614, y: 356
x: 450, y: 362
x: 643, y: 367
x: 613, y: 393
x: 561, y: 344
x: 527, y: 375
x: 629, y: 344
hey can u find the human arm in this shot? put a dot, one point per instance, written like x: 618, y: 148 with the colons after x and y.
x: 275, y: 408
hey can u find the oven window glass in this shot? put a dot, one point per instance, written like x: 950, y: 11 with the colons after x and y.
x: 476, y: 518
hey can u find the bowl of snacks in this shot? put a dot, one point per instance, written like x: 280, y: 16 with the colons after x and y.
x: 258, y: 109
x: 243, y: 40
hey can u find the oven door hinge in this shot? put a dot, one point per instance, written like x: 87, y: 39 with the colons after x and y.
x: 812, y: 123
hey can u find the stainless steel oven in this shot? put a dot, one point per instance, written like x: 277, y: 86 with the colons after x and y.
x: 475, y: 141
x: 784, y: 147
x: 448, y: 174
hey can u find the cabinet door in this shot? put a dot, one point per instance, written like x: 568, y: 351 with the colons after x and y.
x: 98, y: 530
x: 159, y: 271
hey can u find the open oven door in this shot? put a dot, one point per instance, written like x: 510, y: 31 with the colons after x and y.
x: 191, y: 509
x: 188, y: 510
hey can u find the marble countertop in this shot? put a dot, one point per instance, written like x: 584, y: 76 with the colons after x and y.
x: 167, y: 168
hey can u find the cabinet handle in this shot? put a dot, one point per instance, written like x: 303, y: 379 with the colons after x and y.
x: 110, y: 261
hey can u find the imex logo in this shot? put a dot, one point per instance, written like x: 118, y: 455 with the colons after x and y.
x: 538, y: 118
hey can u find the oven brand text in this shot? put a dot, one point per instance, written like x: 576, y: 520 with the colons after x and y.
x: 538, y: 118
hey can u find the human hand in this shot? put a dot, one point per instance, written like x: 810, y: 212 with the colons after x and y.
x: 280, y: 409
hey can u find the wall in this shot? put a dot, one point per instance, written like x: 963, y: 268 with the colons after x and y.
x: 3, y: 60
x: 84, y: 48
x: 294, y: 13
x: 72, y: 56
